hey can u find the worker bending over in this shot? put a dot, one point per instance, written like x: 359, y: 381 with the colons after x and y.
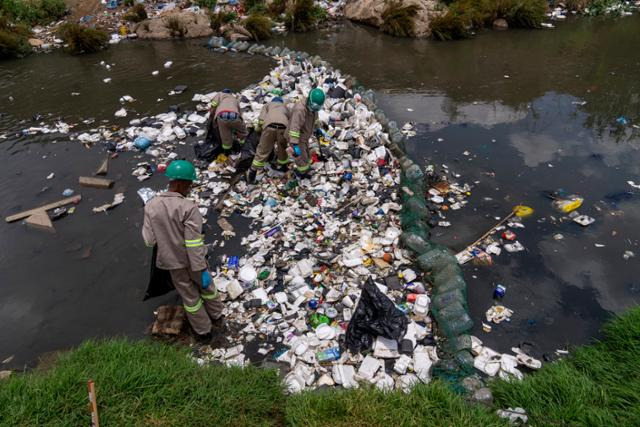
x: 175, y: 224
x: 225, y: 111
x: 273, y: 120
x: 301, y: 125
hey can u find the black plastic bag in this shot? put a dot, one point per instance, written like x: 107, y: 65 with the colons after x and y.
x: 212, y: 145
x: 160, y: 282
x: 248, y: 151
x: 374, y: 315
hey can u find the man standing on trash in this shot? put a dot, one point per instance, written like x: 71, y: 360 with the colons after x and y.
x: 174, y: 224
x: 301, y: 125
x: 225, y: 111
x: 273, y: 120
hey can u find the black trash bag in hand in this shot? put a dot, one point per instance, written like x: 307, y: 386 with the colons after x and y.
x: 374, y: 315
x: 248, y: 151
x: 160, y: 282
x: 212, y: 146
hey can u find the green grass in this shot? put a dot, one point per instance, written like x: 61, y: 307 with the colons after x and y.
x: 427, y: 405
x: 151, y: 383
x: 139, y: 383
x: 33, y: 12
x: 599, y: 385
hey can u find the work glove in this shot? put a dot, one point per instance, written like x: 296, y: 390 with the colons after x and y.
x: 206, y: 279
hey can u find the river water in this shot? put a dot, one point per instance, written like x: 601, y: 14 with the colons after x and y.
x: 513, y: 101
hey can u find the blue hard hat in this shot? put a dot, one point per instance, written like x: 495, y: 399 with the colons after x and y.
x: 277, y: 99
x: 226, y: 90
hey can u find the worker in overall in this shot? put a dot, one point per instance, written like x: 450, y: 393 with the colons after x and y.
x: 175, y: 224
x: 273, y: 120
x: 225, y: 111
x: 301, y: 125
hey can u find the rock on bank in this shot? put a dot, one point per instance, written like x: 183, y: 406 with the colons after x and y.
x: 370, y: 12
x: 176, y: 24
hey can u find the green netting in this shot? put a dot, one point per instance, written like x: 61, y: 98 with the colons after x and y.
x: 446, y: 274
x: 455, y: 324
x: 452, y: 371
x: 412, y: 182
x: 416, y: 205
x: 449, y: 299
x: 459, y: 343
x: 441, y: 301
x: 436, y: 260
x: 416, y: 242
x: 450, y: 284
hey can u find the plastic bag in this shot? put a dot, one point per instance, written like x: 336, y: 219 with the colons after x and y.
x: 160, y: 282
x: 374, y: 315
x: 212, y: 144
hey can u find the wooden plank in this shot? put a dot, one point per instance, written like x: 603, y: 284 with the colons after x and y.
x: 89, y: 181
x: 58, y: 204
x: 41, y: 221
x: 104, y: 167
x: 93, y: 404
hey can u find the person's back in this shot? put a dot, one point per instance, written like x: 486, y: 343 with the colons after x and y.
x: 174, y: 225
x: 169, y: 215
x: 225, y: 102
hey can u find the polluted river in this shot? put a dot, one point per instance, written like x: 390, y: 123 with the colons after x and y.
x: 517, y: 115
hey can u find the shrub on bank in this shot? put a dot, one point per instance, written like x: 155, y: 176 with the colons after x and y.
x: 33, y: 12
x: 83, y: 39
x: 303, y: 16
x: 136, y: 14
x: 259, y: 26
x: 450, y: 27
x: 175, y: 26
x: 398, y: 20
x: 13, y: 39
x: 13, y: 45
x: 218, y: 20
x: 277, y: 7
x: 465, y: 15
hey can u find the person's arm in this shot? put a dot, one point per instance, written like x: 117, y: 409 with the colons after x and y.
x: 147, y: 231
x: 295, y: 125
x: 214, y: 104
x: 194, y: 240
x: 263, y: 114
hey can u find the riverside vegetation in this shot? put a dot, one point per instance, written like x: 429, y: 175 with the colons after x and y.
x: 151, y: 383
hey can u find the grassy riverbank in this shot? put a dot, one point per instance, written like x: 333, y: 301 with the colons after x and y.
x: 149, y: 383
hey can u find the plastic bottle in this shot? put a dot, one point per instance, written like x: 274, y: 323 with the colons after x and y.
x: 328, y: 355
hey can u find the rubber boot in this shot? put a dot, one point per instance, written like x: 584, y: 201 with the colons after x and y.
x: 251, y: 176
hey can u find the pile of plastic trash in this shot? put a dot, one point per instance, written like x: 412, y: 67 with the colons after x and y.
x: 316, y: 246
x: 504, y: 365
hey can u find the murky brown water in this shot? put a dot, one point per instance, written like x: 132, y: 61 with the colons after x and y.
x: 87, y: 280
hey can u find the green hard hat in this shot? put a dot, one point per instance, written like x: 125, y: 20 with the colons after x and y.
x: 181, y: 169
x: 316, y: 99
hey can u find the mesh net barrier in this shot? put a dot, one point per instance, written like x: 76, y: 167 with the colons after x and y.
x: 449, y: 289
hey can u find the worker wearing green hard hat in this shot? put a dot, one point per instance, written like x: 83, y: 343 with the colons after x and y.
x: 182, y: 170
x: 303, y: 117
x: 173, y: 224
